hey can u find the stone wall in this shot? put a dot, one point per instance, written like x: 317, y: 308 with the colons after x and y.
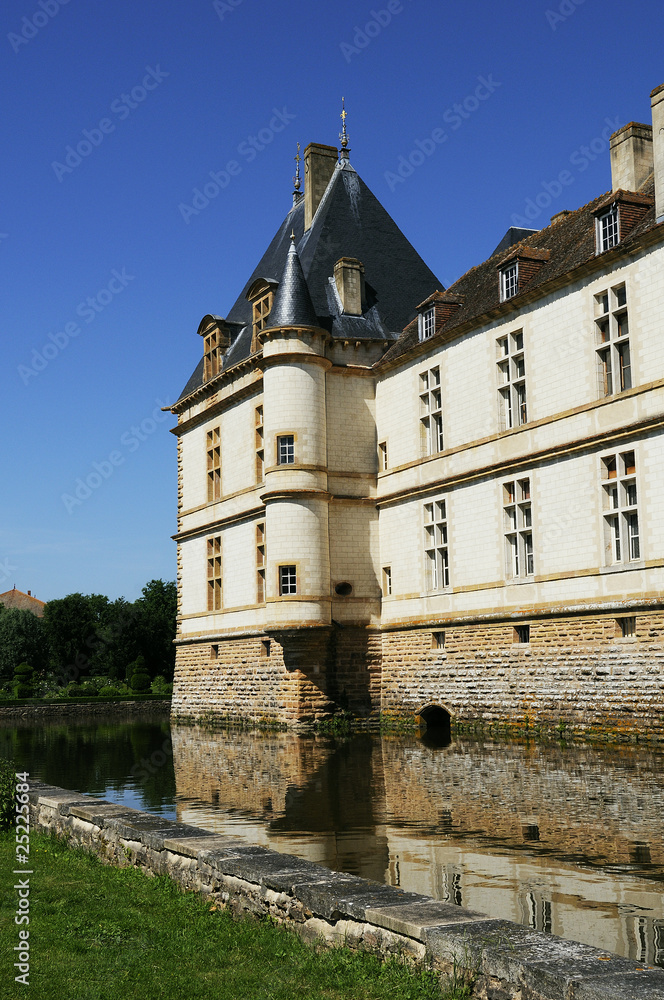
x: 262, y: 679
x: 299, y: 676
x: 504, y: 960
x: 574, y: 671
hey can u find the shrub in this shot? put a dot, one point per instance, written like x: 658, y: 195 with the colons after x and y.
x: 23, y: 691
x: 76, y: 691
x: 140, y: 682
x: 109, y: 692
x: 161, y: 686
x: 7, y: 794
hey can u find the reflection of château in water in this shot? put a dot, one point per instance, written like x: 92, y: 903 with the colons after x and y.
x: 521, y: 831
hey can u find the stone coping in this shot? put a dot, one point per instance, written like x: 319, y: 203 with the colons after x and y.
x: 504, y: 959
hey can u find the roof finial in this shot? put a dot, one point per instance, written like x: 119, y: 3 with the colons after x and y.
x: 296, y: 179
x: 343, y: 135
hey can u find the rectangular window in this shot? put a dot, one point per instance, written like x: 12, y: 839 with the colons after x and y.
x: 509, y: 281
x: 512, y: 380
x: 259, y: 445
x: 382, y: 456
x: 431, y: 411
x: 214, y: 464
x: 522, y: 633
x: 261, y: 311
x: 260, y: 562
x: 620, y: 510
x: 214, y: 573
x: 612, y: 338
x: 625, y: 628
x: 518, y: 528
x: 427, y: 323
x: 438, y: 640
x: 285, y: 449
x: 436, y: 554
x: 387, y: 581
x: 607, y: 230
x: 287, y: 580
x: 212, y: 360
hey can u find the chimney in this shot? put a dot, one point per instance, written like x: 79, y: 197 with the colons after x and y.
x: 29, y: 593
x: 657, y: 104
x: 631, y: 156
x: 349, y: 278
x: 319, y: 164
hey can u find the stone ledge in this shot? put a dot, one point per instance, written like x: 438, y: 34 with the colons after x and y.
x: 505, y: 960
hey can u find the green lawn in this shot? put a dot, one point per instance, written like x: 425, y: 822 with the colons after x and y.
x: 100, y: 933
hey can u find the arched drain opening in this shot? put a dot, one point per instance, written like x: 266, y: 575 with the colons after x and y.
x: 438, y: 732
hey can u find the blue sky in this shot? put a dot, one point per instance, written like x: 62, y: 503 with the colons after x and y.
x: 461, y: 117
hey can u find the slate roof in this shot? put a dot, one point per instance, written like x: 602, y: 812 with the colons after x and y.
x: 292, y: 304
x: 565, y: 245
x: 349, y: 222
x: 23, y: 602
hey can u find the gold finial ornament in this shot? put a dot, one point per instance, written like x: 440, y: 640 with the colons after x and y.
x: 296, y: 179
x: 343, y: 135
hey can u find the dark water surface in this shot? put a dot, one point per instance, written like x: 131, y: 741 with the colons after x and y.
x: 564, y: 839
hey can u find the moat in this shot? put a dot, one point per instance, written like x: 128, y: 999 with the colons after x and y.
x: 565, y: 839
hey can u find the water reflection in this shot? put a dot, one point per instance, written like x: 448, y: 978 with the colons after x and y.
x: 565, y: 840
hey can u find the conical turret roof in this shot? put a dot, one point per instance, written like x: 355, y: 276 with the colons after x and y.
x: 292, y: 302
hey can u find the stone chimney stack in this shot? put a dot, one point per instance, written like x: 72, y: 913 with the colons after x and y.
x: 319, y: 164
x: 349, y: 278
x: 631, y: 156
x: 657, y: 105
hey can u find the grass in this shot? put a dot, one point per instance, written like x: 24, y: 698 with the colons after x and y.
x: 100, y: 933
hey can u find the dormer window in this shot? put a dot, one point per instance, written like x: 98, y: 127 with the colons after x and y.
x: 509, y: 281
x: 427, y: 323
x: 216, y: 340
x: 607, y: 229
x: 212, y: 355
x: 261, y: 296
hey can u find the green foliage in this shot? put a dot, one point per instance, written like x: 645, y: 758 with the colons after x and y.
x: 7, y: 794
x: 22, y: 638
x: 108, y: 691
x: 161, y: 686
x: 23, y: 670
x: 156, y: 612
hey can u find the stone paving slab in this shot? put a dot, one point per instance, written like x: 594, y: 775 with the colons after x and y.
x: 97, y: 812
x: 412, y: 919
x: 193, y: 844
x: 341, y: 895
x: 646, y: 985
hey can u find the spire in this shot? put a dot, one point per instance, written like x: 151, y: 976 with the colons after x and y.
x: 296, y: 180
x: 292, y: 303
x: 343, y: 135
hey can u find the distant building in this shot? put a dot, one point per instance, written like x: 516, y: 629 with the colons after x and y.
x: 395, y: 497
x: 23, y: 602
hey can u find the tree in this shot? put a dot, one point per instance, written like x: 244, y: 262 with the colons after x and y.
x: 73, y: 624
x: 156, y: 621
x: 22, y: 639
